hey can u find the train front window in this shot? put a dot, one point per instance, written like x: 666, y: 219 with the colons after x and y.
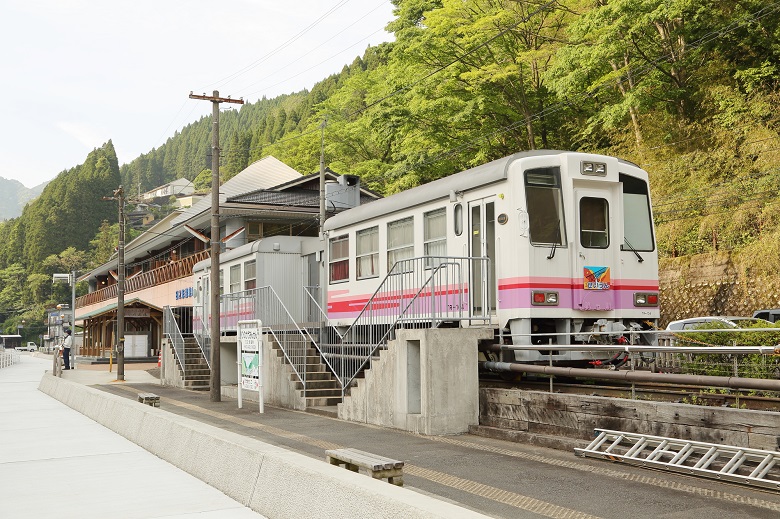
x: 594, y: 218
x: 637, y: 222
x: 544, y: 202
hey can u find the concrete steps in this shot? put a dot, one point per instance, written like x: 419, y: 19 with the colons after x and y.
x: 196, y: 373
x: 323, y: 389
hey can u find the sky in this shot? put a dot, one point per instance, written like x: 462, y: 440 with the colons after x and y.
x: 76, y: 73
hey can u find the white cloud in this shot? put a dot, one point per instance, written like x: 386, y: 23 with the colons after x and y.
x: 90, y: 137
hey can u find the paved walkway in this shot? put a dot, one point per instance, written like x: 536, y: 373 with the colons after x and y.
x: 497, y: 478
x: 57, y: 463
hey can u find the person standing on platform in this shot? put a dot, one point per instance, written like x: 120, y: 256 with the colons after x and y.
x: 67, y: 344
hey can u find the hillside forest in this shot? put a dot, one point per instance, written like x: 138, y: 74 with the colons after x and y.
x: 690, y: 91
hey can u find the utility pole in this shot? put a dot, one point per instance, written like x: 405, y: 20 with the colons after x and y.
x: 119, y: 195
x: 322, y: 178
x: 215, y: 387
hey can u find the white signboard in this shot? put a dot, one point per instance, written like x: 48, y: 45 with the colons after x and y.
x: 250, y: 359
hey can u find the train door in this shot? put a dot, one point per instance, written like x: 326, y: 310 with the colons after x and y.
x: 595, y: 245
x: 482, y: 244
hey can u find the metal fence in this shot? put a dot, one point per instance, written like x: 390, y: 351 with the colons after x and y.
x: 674, y: 359
x: 416, y: 293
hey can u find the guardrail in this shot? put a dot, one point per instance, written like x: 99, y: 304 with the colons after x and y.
x: 8, y: 358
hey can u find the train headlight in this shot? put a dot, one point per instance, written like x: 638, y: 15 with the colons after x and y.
x: 645, y: 299
x: 593, y: 168
x: 539, y: 298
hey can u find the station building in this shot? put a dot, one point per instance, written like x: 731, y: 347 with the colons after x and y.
x: 266, y: 199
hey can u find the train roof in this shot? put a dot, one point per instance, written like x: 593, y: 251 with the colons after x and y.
x: 484, y: 174
x: 273, y: 244
x: 478, y: 176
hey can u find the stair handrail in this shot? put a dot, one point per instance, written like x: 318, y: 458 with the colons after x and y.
x: 447, y: 260
x: 172, y: 331
x: 434, y: 271
x: 277, y: 322
x: 326, y: 323
x: 406, y: 285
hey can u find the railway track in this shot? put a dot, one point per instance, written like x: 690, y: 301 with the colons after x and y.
x: 694, y: 395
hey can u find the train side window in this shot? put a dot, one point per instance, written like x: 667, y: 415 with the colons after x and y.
x: 235, y: 279
x: 221, y: 282
x: 400, y: 241
x: 544, y: 202
x: 594, y: 218
x: 458, y: 219
x: 338, y: 261
x: 435, y: 236
x: 250, y: 275
x: 367, y: 256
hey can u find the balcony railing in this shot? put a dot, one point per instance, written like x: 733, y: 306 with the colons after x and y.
x: 165, y: 274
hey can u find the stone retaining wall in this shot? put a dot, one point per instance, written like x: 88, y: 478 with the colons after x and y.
x: 575, y: 417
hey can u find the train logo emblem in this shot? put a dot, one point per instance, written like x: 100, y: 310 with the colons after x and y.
x: 597, y: 278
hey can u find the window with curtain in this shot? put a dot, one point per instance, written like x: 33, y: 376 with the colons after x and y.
x: 435, y: 236
x: 338, y: 261
x: 400, y: 241
x: 235, y: 279
x: 250, y: 275
x: 367, y: 257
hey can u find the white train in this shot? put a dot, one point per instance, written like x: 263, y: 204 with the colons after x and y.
x: 568, y: 237
x: 547, y: 247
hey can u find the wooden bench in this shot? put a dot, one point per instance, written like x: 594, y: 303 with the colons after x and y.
x: 149, y: 399
x: 378, y: 467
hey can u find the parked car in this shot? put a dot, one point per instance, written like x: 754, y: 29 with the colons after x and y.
x: 772, y: 315
x: 718, y: 321
x: 30, y: 346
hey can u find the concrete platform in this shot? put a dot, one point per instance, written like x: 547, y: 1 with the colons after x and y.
x: 473, y: 475
x: 56, y: 462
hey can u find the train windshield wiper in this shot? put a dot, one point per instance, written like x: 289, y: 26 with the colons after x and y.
x: 632, y: 249
x: 557, y: 238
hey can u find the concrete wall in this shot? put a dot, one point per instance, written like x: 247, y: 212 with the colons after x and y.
x: 560, y: 416
x: 169, y: 372
x: 411, y: 386
x: 270, y: 480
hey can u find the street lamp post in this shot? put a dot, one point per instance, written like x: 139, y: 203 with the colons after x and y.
x: 71, y: 280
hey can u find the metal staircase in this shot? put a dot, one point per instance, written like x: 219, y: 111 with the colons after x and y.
x: 191, y: 361
x: 742, y: 465
x: 419, y: 292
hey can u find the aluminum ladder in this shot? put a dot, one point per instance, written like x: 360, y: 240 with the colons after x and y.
x: 742, y: 465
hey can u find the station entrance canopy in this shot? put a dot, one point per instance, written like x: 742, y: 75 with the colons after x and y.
x: 141, y: 318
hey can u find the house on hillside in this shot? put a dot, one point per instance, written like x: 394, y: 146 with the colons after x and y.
x: 177, y: 188
x: 266, y: 199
